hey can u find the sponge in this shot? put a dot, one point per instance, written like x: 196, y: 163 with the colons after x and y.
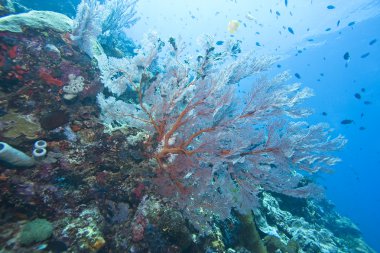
x: 14, y: 156
x: 35, y: 231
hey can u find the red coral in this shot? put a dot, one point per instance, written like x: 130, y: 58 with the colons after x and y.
x: 138, y: 227
x: 46, y: 76
x: 3, y: 51
x: 2, y: 61
x: 138, y: 191
x: 20, y: 69
x: 12, y: 53
x: 67, y: 38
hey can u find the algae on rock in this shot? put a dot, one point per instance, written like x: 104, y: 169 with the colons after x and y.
x: 16, y: 125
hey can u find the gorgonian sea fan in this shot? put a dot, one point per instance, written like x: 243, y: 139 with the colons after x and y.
x: 216, y: 150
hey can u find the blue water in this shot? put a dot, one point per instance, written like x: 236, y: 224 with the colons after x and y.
x: 354, y: 185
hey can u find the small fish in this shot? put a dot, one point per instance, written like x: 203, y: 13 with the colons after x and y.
x: 362, y: 115
x: 310, y: 40
x: 330, y: 7
x: 286, y: 3
x: 258, y: 44
x: 346, y: 121
x: 362, y: 128
x: 249, y: 16
x: 291, y: 30
x: 346, y: 56
x: 324, y: 113
x: 297, y: 75
x: 41, y: 247
x: 321, y: 74
x: 232, y: 26
x: 362, y: 89
x: 328, y: 29
x: 338, y: 23
x: 279, y: 66
x: 357, y: 95
x: 351, y: 23
x: 364, y: 55
x: 367, y: 102
x: 372, y: 42
x: 278, y: 13
x: 219, y: 42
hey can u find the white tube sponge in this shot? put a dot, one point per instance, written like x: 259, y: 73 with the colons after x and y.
x: 14, y: 156
x: 39, y: 153
x: 75, y: 86
x: 40, y: 144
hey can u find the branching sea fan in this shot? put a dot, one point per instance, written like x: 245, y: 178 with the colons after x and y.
x: 215, y: 149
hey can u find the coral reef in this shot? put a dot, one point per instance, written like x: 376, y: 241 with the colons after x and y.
x: 315, y: 226
x: 83, y: 233
x: 96, y: 188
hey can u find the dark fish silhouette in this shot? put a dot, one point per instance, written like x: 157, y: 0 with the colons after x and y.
x: 330, y: 7
x: 338, y: 23
x: 358, y: 96
x: 346, y: 56
x: 291, y: 30
x: 362, y: 89
x: 324, y: 113
x: 367, y: 102
x: 279, y: 66
x: 297, y: 75
x: 372, y: 42
x: 286, y: 3
x: 220, y: 42
x: 328, y: 29
x: 364, y: 55
x: 56, y: 246
x: 346, y: 121
x: 258, y: 44
x: 351, y: 23
x: 362, y: 128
